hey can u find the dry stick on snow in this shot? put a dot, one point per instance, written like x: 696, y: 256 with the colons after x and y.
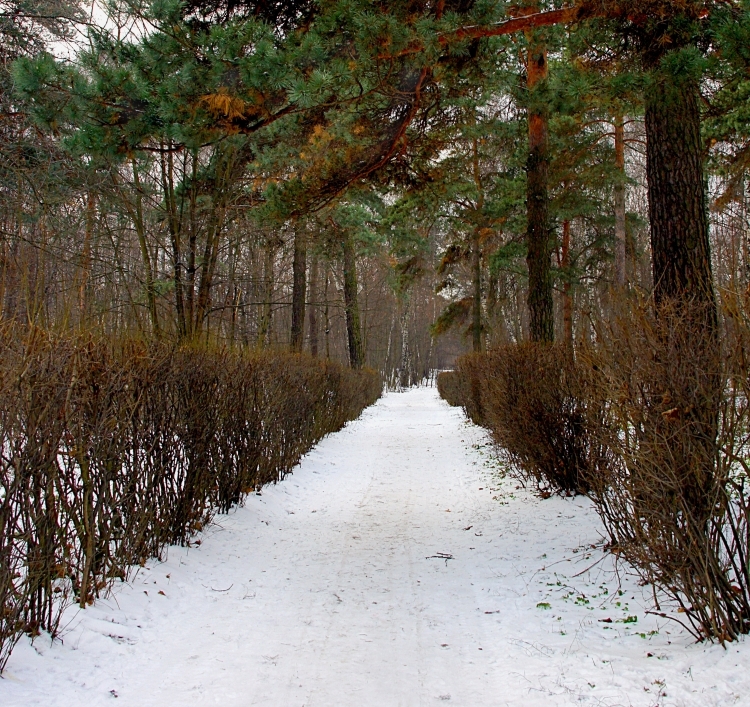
x: 441, y: 556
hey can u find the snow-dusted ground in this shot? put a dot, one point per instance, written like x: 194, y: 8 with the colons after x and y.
x: 395, y: 567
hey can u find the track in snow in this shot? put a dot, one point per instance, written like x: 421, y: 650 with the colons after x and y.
x: 394, y: 567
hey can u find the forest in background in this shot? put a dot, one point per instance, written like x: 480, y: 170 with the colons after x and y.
x: 350, y: 179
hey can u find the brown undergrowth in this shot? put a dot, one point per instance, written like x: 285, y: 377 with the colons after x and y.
x: 674, y: 495
x: 449, y: 387
x: 652, y: 421
x: 112, y: 450
x: 530, y: 397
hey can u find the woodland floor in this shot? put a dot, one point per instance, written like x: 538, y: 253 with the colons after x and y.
x: 397, y: 566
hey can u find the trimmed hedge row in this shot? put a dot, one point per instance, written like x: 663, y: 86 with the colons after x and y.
x: 652, y: 424
x: 112, y: 450
x: 532, y: 399
x: 449, y: 387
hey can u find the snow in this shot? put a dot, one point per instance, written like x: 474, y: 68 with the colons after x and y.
x: 396, y: 566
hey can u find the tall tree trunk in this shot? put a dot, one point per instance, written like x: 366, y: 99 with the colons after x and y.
x: 621, y: 277
x: 492, y: 285
x: 299, y: 288
x: 174, y: 226
x: 476, y: 256
x: 220, y: 199
x: 680, y: 250
x: 314, y: 306
x: 476, y: 308
x: 243, y: 305
x: 326, y: 314
x: 392, y: 369
x: 83, y: 285
x: 5, y: 263
x: 208, y: 269
x: 140, y: 230
x: 538, y: 234
x: 192, y: 246
x: 683, y: 284
x: 405, y: 366
x: 236, y: 300
x: 351, y: 304
x: 264, y: 326
x: 567, y: 298
x: 11, y: 259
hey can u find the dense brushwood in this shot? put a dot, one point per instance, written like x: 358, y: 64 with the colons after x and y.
x: 652, y: 423
x: 531, y: 398
x: 673, y: 493
x: 113, y: 450
x: 449, y: 387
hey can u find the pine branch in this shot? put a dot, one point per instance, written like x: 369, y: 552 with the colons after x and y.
x: 516, y: 24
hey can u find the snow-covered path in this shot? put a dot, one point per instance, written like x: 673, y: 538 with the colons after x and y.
x: 395, y: 567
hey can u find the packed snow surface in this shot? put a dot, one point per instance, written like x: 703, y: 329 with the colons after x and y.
x: 396, y: 566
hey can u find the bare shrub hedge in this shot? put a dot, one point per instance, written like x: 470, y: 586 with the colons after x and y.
x: 674, y: 496
x: 652, y: 421
x: 449, y: 387
x: 532, y: 399
x: 110, y: 451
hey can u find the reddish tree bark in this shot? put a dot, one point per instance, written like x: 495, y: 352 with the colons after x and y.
x: 538, y: 236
